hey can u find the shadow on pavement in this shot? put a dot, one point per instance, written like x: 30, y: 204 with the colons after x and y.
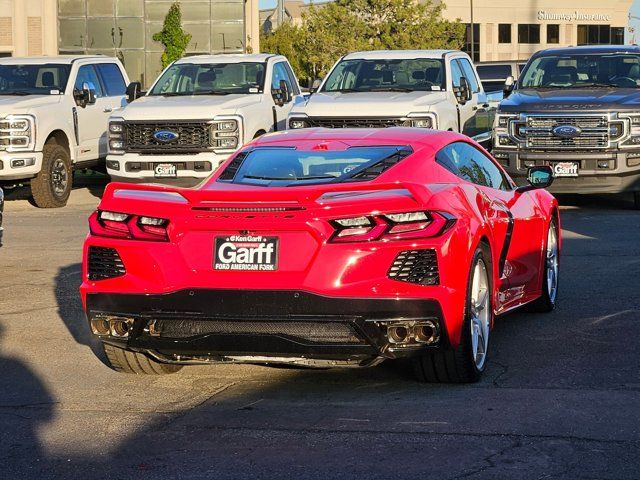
x: 93, y: 181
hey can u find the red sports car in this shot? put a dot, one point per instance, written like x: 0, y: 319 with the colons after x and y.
x: 323, y: 248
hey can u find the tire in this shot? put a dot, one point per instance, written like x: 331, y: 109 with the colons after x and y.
x: 636, y: 200
x: 52, y: 186
x: 465, y: 364
x: 124, y: 361
x: 547, y: 302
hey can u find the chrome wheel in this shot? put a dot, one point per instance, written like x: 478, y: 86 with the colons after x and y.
x: 59, y: 177
x: 480, y: 311
x: 552, y: 263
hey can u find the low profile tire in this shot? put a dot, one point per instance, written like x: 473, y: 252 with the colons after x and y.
x: 636, y: 200
x: 466, y: 363
x: 547, y: 302
x: 124, y: 361
x: 52, y: 186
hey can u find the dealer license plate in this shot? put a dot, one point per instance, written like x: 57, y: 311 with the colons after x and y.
x: 246, y: 252
x: 565, y: 169
x: 165, y: 170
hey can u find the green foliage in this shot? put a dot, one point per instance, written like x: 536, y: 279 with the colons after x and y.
x: 334, y: 29
x: 172, y: 36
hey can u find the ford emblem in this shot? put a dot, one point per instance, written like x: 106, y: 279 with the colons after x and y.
x: 165, y: 136
x: 566, y: 131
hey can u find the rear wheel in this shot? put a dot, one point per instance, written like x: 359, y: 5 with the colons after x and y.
x: 125, y: 361
x: 466, y: 363
x: 547, y: 301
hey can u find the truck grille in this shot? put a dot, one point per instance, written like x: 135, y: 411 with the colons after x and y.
x: 594, y: 132
x: 356, y: 122
x: 192, y: 137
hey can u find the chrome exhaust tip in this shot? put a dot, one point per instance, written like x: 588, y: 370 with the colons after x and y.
x: 120, y: 327
x: 399, y: 333
x: 100, y: 327
x: 426, y: 332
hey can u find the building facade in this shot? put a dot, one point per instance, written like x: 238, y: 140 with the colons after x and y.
x: 28, y: 27
x: 508, y: 30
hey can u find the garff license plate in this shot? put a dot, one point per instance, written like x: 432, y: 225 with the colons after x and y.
x: 165, y: 170
x: 565, y: 169
x: 246, y: 252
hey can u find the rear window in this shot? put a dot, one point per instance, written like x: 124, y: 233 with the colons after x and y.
x: 492, y: 72
x: 280, y: 166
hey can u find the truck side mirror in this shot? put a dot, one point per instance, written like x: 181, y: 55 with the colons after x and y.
x: 509, y: 85
x: 538, y: 177
x: 463, y: 92
x: 86, y: 96
x: 282, y: 95
x: 315, y: 85
x: 134, y: 91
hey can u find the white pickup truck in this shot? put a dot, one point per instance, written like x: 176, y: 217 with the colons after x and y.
x: 199, y: 111
x: 54, y: 113
x: 414, y: 88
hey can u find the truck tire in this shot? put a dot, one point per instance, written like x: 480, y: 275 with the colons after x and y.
x: 462, y: 365
x: 52, y: 186
x: 124, y: 361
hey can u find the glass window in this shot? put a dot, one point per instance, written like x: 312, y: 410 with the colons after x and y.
x: 45, y: 79
x: 289, y: 166
x: 279, y: 73
x: 529, y: 33
x: 580, y: 70
x: 102, y: 33
x: 72, y: 8
x: 292, y: 78
x: 100, y: 8
x: 476, y: 42
x: 469, y: 74
x: 129, y: 8
x: 419, y: 74
x: 456, y: 74
x: 504, y: 33
x: 200, y: 36
x: 553, y: 33
x: 227, y: 11
x: 72, y: 33
x: 87, y: 74
x: 227, y: 37
x: 112, y: 79
x: 617, y: 35
x: 492, y: 72
x: 129, y: 33
x: 594, y: 34
x: 211, y: 79
x: 469, y: 163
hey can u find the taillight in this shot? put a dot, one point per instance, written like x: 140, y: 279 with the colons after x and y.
x: 121, y: 225
x: 393, y: 226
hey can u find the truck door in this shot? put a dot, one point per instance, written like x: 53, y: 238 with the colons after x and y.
x: 469, y: 113
x: 281, y: 72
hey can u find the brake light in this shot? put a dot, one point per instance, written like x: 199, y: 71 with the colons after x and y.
x: 121, y: 225
x: 394, y: 226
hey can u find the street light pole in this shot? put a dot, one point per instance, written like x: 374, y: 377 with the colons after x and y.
x: 472, y: 34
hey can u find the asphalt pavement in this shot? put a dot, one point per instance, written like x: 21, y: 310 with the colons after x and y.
x: 560, y: 398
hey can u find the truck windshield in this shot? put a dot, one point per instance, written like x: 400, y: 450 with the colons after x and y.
x: 45, y: 79
x: 407, y: 75
x: 281, y: 166
x: 620, y: 70
x: 211, y: 79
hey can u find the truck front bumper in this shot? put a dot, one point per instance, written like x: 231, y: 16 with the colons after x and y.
x: 19, y: 165
x: 601, y: 172
x: 190, y: 169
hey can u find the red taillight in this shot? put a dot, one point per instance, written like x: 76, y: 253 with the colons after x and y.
x: 122, y: 225
x: 397, y: 226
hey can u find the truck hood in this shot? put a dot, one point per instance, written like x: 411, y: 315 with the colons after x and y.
x: 370, y: 104
x: 13, y: 104
x: 574, y: 99
x: 188, y: 107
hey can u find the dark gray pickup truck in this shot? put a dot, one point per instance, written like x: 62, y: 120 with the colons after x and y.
x: 576, y: 109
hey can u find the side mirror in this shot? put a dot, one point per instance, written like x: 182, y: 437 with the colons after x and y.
x: 509, y: 85
x: 86, y: 96
x: 282, y: 95
x: 315, y: 85
x: 538, y: 177
x: 463, y: 92
x: 134, y: 91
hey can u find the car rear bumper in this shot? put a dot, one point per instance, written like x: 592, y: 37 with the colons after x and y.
x: 199, y: 326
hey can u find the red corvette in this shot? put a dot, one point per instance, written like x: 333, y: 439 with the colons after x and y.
x: 323, y: 248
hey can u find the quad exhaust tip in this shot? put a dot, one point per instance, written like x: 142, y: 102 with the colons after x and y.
x: 405, y: 333
x: 116, y: 327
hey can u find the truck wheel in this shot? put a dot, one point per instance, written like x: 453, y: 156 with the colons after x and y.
x: 124, y: 361
x: 466, y: 363
x: 547, y: 302
x: 52, y: 186
x: 636, y: 200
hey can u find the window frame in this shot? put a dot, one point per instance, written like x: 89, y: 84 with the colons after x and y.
x: 530, y: 27
x: 557, y: 38
x: 500, y: 33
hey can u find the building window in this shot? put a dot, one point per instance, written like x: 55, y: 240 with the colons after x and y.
x: 553, y: 33
x: 504, y: 33
x: 594, y: 35
x: 617, y: 35
x: 529, y: 33
x: 476, y: 42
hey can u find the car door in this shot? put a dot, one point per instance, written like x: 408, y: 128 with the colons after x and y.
x: 466, y: 108
x: 282, y: 72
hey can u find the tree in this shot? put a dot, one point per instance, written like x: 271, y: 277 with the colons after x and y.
x: 172, y: 36
x: 334, y: 29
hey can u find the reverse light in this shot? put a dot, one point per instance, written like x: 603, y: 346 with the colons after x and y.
x: 393, y: 226
x: 122, y: 225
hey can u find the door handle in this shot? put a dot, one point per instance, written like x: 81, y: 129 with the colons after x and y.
x: 108, y: 110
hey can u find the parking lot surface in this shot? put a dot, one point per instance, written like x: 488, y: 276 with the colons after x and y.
x: 560, y: 398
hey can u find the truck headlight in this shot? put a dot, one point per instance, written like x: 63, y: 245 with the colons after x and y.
x: 116, y: 137
x: 17, y: 133
x: 298, y: 122
x: 226, y: 133
x: 421, y: 120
